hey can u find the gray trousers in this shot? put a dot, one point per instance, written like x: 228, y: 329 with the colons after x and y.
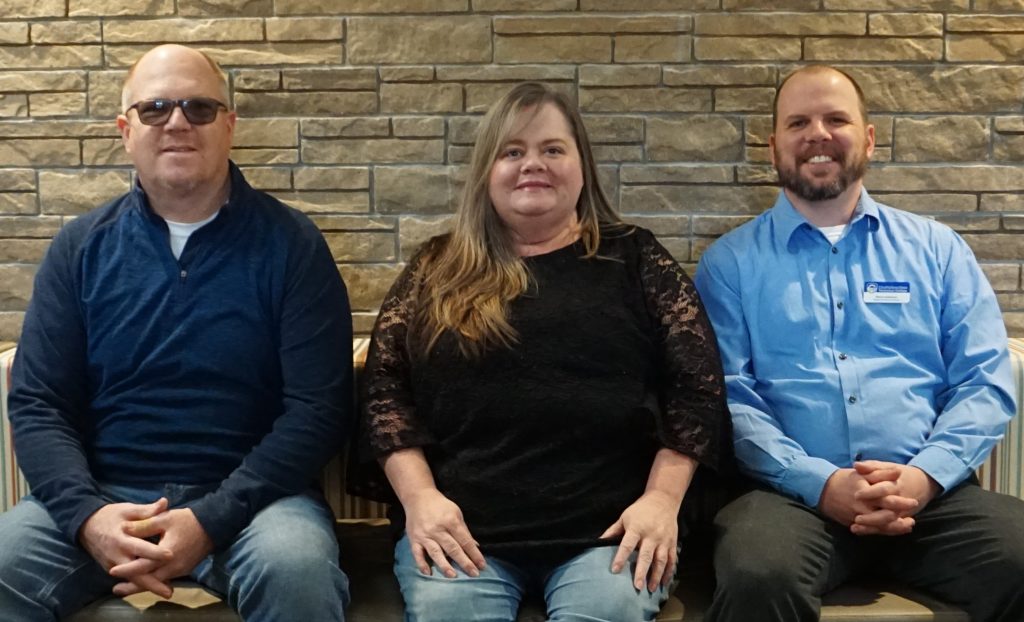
x: 775, y: 557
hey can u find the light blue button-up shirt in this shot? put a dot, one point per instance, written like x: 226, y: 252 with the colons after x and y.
x: 822, y: 371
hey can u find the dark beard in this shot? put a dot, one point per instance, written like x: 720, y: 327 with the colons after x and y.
x: 807, y: 190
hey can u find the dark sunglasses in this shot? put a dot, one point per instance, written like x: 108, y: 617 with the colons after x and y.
x: 198, y: 110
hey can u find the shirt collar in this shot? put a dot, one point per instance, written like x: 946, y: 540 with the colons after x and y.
x: 788, y: 220
x: 238, y: 188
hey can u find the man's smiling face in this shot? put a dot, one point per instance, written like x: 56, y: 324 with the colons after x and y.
x: 821, y: 143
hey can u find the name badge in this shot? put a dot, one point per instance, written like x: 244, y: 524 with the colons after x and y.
x: 887, y: 292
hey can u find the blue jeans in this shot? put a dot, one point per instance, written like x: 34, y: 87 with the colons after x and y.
x: 282, y: 566
x: 581, y: 589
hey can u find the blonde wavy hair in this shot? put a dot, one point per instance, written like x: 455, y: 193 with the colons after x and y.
x: 471, y: 276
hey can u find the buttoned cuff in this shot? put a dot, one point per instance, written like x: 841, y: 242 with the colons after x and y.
x: 942, y: 466
x: 805, y: 479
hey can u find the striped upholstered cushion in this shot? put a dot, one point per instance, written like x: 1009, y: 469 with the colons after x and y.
x: 346, y: 506
x: 12, y: 482
x: 1004, y: 469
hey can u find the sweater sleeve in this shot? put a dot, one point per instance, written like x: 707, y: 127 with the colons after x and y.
x: 315, y: 351
x: 50, y: 393
x: 694, y: 417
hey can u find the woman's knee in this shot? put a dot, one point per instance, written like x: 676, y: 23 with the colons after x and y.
x: 607, y: 603
x: 436, y: 598
x: 494, y: 596
x: 585, y: 588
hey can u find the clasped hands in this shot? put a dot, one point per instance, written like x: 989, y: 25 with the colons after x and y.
x: 117, y: 536
x: 877, y: 498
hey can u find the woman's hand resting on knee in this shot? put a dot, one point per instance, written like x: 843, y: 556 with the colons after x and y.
x: 436, y: 529
x: 650, y: 527
x: 433, y: 522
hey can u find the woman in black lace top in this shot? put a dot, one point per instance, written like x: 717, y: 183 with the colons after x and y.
x: 541, y: 386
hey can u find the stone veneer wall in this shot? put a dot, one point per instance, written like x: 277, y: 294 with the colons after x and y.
x: 361, y: 112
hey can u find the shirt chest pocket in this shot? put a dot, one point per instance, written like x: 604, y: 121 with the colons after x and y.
x: 885, y: 317
x: 918, y: 315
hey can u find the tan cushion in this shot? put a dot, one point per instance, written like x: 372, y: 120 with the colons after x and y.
x: 848, y: 603
x: 853, y: 603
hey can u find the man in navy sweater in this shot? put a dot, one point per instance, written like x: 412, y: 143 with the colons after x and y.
x: 183, y: 375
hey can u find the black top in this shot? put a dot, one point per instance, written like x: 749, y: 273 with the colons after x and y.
x: 543, y: 445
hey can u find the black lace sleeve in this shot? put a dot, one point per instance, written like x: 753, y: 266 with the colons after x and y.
x: 695, y: 418
x: 387, y: 415
x: 388, y: 405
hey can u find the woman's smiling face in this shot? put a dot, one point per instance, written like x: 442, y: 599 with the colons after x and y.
x: 537, y: 176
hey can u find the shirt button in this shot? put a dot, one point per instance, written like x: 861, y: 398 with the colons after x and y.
x: 858, y: 457
x: 842, y: 356
x: 853, y: 399
x: 839, y: 305
x: 834, y: 250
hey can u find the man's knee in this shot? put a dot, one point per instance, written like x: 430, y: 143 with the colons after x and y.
x: 27, y: 534
x: 1008, y: 556
x: 755, y: 588
x: 990, y: 546
x: 42, y: 575
x: 294, y: 553
x: 287, y: 559
x: 1003, y: 572
x: 758, y: 578
x: 994, y: 590
x: 291, y: 568
x: 770, y: 548
x: 292, y: 578
x: 292, y: 535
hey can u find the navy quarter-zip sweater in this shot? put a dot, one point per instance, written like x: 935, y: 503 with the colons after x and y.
x: 229, y: 369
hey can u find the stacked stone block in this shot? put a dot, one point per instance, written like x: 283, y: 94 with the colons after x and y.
x: 362, y: 113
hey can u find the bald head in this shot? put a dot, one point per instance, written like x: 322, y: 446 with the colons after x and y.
x: 156, y: 61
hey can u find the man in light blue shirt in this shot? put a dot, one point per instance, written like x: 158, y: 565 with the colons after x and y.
x: 868, y: 376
